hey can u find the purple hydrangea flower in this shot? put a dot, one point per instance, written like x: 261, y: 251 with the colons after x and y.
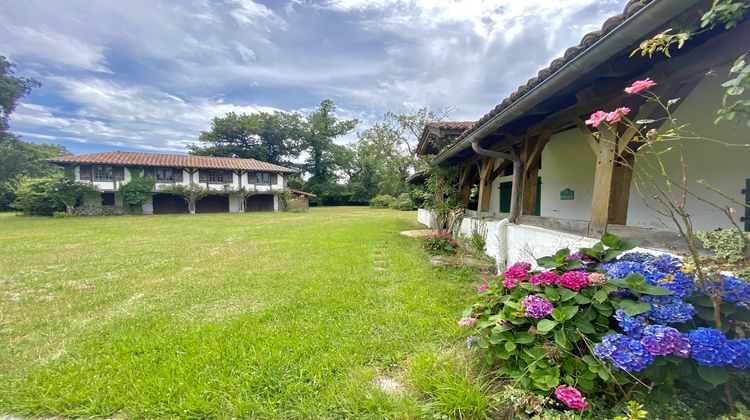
x: 622, y: 269
x: 710, y: 347
x: 622, y: 293
x: 637, y: 257
x: 579, y: 256
x: 470, y: 340
x: 665, y: 263
x: 731, y: 289
x: 624, y: 352
x: 631, y: 326
x: 680, y: 284
x: 668, y: 309
x: 661, y: 341
x: 741, y: 349
x: 536, y: 306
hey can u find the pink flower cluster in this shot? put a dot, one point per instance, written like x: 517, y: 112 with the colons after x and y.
x: 536, y: 306
x: 615, y: 116
x: 574, y: 280
x: 516, y: 273
x: 467, y: 322
x: 483, y: 287
x: 597, y: 278
x: 545, y: 278
x: 640, y: 85
x: 571, y: 397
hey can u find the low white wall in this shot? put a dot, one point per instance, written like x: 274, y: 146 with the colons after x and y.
x: 508, y: 243
x: 426, y: 218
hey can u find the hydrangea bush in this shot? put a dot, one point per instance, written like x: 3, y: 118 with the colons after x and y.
x: 594, y: 321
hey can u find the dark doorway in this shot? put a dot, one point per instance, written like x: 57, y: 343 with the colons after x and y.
x: 213, y: 204
x: 259, y: 203
x: 108, y: 199
x: 505, y: 195
x: 169, y: 204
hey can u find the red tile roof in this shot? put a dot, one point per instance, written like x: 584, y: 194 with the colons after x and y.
x: 175, y: 161
x: 451, y: 125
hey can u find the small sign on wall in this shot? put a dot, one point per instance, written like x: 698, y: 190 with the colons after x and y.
x: 567, y: 194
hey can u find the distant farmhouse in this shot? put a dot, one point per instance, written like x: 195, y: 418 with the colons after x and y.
x: 110, y: 170
x: 532, y: 159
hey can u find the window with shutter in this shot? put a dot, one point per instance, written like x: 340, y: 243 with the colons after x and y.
x: 274, y: 179
x: 215, y: 177
x: 85, y: 172
x: 103, y: 173
x: 228, y: 177
x: 119, y: 173
x: 202, y: 176
x: 177, y: 174
x: 262, y: 178
x: 148, y: 172
x: 164, y: 174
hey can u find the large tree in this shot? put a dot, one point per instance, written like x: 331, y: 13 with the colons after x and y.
x: 270, y: 137
x: 19, y: 158
x: 12, y: 88
x: 325, y: 160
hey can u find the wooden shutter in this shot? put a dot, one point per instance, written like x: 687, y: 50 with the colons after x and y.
x: 85, y: 172
x: 252, y: 179
x: 148, y: 172
x: 118, y: 173
x: 228, y: 177
x: 177, y: 174
x: 202, y: 176
x: 273, y: 178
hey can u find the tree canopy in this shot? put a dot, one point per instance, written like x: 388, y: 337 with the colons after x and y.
x: 270, y: 137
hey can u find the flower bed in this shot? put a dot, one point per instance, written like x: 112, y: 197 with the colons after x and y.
x: 600, y: 321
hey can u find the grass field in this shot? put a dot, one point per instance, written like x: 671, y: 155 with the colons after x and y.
x: 325, y: 314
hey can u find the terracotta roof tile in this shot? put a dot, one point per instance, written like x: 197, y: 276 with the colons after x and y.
x: 451, y: 125
x: 571, y: 53
x: 177, y: 161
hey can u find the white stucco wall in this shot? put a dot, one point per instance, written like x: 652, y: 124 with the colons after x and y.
x: 569, y: 162
x: 234, y: 203
x: 426, y: 218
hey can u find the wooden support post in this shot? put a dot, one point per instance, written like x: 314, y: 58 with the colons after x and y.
x: 464, y: 187
x: 531, y: 153
x: 485, y: 184
x: 605, y: 161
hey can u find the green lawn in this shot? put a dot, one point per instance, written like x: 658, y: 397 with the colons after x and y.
x: 288, y: 315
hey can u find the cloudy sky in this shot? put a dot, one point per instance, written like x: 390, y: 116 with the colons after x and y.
x: 150, y: 74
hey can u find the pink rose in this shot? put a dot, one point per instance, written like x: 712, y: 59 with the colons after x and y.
x: 571, y: 397
x: 482, y: 288
x: 615, y: 115
x: 640, y: 85
x: 597, y: 118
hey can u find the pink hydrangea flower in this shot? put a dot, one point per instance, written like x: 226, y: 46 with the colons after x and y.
x: 640, y: 85
x: 516, y: 273
x: 544, y: 278
x: 536, y: 306
x: 597, y: 118
x: 483, y: 287
x: 597, y: 278
x: 571, y: 397
x: 574, y: 280
x: 617, y: 114
x: 467, y: 322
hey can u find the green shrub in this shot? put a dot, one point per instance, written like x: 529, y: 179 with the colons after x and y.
x: 137, y: 191
x: 403, y: 202
x: 45, y: 196
x: 440, y: 244
x: 382, y: 201
x: 59, y: 214
x: 726, y: 244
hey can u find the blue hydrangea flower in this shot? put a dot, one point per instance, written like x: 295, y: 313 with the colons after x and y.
x: 665, y: 263
x: 731, y: 289
x: 709, y: 347
x: 668, y: 309
x: 622, y: 269
x: 639, y: 257
x: 631, y: 326
x: 624, y: 352
x: 680, y: 284
x: 661, y: 341
x: 741, y: 349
